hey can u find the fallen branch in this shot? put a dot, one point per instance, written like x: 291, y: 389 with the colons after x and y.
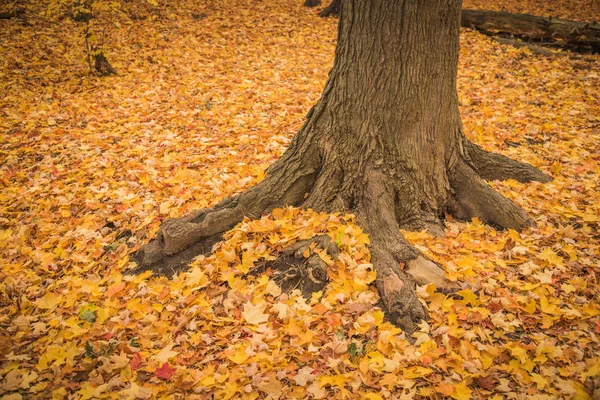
x: 12, y: 14
x: 578, y: 36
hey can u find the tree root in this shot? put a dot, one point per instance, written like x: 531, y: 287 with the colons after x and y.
x: 300, y: 267
x: 179, y: 240
x: 398, y: 264
x: 493, y: 166
x: 424, y: 271
x: 12, y: 14
x: 382, y: 206
x: 473, y: 197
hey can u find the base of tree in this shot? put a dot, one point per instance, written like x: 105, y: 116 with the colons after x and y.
x: 399, y: 265
x: 102, y: 66
x: 384, y: 143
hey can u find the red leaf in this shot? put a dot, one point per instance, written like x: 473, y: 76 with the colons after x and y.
x: 106, y: 336
x: 165, y: 372
x: 136, y: 361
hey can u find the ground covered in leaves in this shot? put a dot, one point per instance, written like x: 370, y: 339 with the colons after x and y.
x: 207, y: 96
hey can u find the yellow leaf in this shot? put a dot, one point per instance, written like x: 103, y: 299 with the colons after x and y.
x: 539, y: 380
x: 239, y: 356
x: 59, y: 393
x: 461, y: 392
x: 166, y: 353
x: 468, y: 297
x: 86, y: 391
x: 549, y: 255
x: 49, y: 300
x: 254, y: 314
x: 12, y: 396
x: 548, y: 307
x: 338, y: 380
x: 136, y: 392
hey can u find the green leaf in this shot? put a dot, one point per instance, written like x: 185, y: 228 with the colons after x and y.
x: 88, y: 313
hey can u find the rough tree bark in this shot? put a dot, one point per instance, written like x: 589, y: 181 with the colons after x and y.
x: 384, y: 142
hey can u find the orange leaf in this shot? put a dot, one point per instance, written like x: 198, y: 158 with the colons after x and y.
x: 114, y: 289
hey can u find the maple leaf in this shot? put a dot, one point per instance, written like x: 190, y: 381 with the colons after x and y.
x: 49, y: 300
x: 114, y: 289
x: 165, y: 371
x: 165, y: 354
x: 114, y: 362
x: 254, y: 314
x: 88, y: 313
x: 461, y: 392
x: 304, y: 376
x: 281, y: 309
x: 136, y: 361
x: 136, y: 392
x: 12, y: 396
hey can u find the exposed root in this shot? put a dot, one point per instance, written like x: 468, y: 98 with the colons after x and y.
x: 382, y: 206
x: 179, y: 240
x: 473, y: 197
x: 493, y: 166
x: 389, y: 251
x: 169, y: 265
x: 425, y: 271
x: 300, y: 267
x: 12, y: 14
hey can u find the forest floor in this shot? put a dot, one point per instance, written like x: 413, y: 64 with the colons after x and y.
x: 207, y: 95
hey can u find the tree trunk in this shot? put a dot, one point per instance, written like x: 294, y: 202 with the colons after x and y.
x: 332, y: 9
x: 384, y: 142
x: 102, y: 66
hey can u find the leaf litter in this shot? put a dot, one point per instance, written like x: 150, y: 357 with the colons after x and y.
x: 201, y: 106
